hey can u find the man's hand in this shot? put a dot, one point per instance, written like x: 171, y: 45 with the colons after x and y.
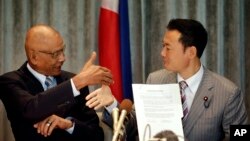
x: 46, y: 126
x: 100, y: 97
x: 92, y: 74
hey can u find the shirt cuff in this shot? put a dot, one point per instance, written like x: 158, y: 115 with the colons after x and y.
x: 71, y: 129
x: 112, y: 106
x: 75, y: 91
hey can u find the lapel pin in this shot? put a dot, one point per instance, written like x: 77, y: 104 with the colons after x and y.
x: 206, y: 103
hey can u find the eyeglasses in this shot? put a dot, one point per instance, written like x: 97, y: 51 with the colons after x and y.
x: 55, y: 54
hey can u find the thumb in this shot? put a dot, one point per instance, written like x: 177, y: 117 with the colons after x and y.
x: 90, y: 61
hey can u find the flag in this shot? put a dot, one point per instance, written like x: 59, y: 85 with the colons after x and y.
x: 114, y: 47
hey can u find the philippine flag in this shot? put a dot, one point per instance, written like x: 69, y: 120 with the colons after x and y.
x: 114, y: 47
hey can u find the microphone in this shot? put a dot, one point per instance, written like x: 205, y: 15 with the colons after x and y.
x: 115, y: 115
x: 127, y: 105
x: 125, y: 108
x: 119, y: 125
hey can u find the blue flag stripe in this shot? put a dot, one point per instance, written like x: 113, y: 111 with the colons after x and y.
x: 125, y: 50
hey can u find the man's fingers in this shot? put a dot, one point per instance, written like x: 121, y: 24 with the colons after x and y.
x: 92, y: 58
x: 92, y: 97
x: 107, y: 77
x: 91, y: 102
x: 105, y: 69
x: 93, y: 94
x: 43, y: 125
x: 94, y: 104
x: 35, y: 125
x: 46, y: 127
x: 107, y: 81
x: 51, y: 128
x: 90, y: 61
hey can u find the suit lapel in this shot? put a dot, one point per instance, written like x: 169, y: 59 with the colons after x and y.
x: 197, y: 108
x: 32, y: 83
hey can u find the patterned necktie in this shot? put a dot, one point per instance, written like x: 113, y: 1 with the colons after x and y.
x: 49, y: 82
x: 183, y: 86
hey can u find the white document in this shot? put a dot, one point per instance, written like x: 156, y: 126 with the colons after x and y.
x: 158, y: 108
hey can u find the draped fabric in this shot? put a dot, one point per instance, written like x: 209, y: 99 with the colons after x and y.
x: 114, y: 46
x: 227, y: 22
x: 109, y: 43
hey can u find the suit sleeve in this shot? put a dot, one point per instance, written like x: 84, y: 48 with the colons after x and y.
x: 26, y: 99
x: 86, y: 119
x: 34, y: 105
x: 235, y: 112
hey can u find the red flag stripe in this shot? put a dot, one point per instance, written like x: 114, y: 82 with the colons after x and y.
x: 109, y: 47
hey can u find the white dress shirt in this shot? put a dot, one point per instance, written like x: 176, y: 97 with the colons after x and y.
x: 193, y: 84
x: 41, y: 78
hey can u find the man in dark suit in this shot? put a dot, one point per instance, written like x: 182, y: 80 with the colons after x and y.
x: 45, y: 103
x: 212, y: 104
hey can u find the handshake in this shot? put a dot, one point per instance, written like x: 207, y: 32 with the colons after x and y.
x: 103, y: 97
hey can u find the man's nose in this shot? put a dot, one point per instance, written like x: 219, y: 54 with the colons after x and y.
x: 61, y: 57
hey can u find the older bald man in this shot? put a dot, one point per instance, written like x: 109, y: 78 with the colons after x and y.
x: 45, y: 103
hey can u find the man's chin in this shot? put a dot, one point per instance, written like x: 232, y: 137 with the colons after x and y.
x: 168, y: 68
x: 58, y: 72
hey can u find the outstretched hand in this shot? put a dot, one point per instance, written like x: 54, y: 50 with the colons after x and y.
x: 90, y: 62
x: 100, y: 98
x: 92, y: 74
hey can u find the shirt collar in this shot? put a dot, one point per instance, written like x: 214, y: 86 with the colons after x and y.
x: 194, y: 81
x: 40, y: 77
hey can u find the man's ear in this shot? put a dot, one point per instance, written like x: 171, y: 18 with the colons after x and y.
x: 33, y: 57
x: 192, y: 52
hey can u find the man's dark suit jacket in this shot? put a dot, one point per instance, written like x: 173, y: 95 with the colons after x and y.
x: 27, y: 103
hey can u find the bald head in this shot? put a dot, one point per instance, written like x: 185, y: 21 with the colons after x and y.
x: 40, y: 36
x: 41, y: 43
